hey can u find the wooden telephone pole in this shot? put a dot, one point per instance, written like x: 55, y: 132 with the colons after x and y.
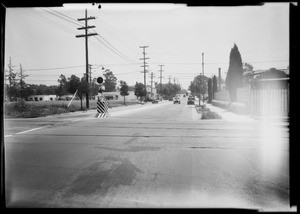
x: 160, y: 77
x: 203, y: 82
x: 145, y: 71
x: 86, y: 35
x: 152, y: 75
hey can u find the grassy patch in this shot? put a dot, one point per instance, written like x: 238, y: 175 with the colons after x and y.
x: 207, y: 114
x: 210, y: 115
x: 30, y: 109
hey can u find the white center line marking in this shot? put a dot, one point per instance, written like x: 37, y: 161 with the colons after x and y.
x: 30, y: 130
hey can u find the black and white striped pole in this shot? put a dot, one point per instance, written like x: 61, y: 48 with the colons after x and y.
x: 102, y: 105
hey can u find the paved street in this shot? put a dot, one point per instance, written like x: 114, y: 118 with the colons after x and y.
x: 153, y: 155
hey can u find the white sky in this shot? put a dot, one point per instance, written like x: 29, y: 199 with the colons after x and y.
x: 177, y: 36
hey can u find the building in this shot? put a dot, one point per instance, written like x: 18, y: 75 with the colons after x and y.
x: 115, y: 95
x: 277, y: 73
x: 42, y: 97
x: 154, y: 94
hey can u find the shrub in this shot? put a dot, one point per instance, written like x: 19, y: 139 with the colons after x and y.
x: 210, y: 115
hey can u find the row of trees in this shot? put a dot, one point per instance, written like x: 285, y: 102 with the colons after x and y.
x: 164, y: 90
x: 168, y: 90
x: 235, y: 78
x: 16, y: 86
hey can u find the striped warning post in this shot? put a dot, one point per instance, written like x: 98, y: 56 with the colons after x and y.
x: 102, y: 109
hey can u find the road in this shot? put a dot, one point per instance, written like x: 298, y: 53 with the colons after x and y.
x: 155, y: 156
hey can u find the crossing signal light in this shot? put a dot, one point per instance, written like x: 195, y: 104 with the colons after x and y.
x: 99, y: 80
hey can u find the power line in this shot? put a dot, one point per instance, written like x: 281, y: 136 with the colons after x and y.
x: 199, y: 63
x: 61, y: 17
x: 124, y: 28
x: 73, y: 20
x: 122, y: 37
x: 46, y: 69
x: 115, y: 49
x: 124, y: 57
x: 76, y: 23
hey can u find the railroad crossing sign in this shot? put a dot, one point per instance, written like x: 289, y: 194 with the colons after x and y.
x: 102, y: 104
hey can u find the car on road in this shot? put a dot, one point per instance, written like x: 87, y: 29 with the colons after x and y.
x: 176, y: 100
x: 191, y: 101
x: 155, y: 101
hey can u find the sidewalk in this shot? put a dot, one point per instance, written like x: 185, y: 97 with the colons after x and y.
x: 228, y: 116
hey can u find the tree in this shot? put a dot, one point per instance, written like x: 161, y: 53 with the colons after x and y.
x: 198, y: 86
x: 28, y: 91
x: 110, y: 81
x: 63, y: 86
x: 183, y: 91
x: 124, y: 89
x: 42, y: 90
x: 73, y: 84
x: 94, y: 87
x: 210, y: 90
x: 234, y: 78
x: 168, y: 90
x: 214, y: 86
x: 247, y: 73
x: 13, y: 90
x: 139, y: 90
x: 83, y: 88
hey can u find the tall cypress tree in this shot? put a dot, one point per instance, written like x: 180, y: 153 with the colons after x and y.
x: 234, y: 78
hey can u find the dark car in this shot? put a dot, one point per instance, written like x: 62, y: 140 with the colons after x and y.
x: 155, y: 101
x: 191, y: 101
x: 176, y: 100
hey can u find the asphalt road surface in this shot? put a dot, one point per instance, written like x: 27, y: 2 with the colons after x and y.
x: 154, y: 155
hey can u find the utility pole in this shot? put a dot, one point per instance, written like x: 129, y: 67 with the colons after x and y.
x: 169, y: 79
x: 151, y: 82
x: 202, y: 78
x: 174, y: 80
x: 160, y: 77
x: 145, y: 71
x: 86, y: 35
x: 203, y: 63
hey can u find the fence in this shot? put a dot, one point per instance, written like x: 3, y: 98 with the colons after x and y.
x: 270, y: 97
x: 264, y: 97
x: 243, y: 95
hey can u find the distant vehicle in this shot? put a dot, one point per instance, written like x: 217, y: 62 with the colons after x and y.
x: 155, y: 101
x: 191, y: 101
x: 170, y: 99
x: 176, y: 100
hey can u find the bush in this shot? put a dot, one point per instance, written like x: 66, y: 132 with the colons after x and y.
x: 210, y: 115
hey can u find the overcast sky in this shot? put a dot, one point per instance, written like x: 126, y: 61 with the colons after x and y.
x: 43, y: 40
